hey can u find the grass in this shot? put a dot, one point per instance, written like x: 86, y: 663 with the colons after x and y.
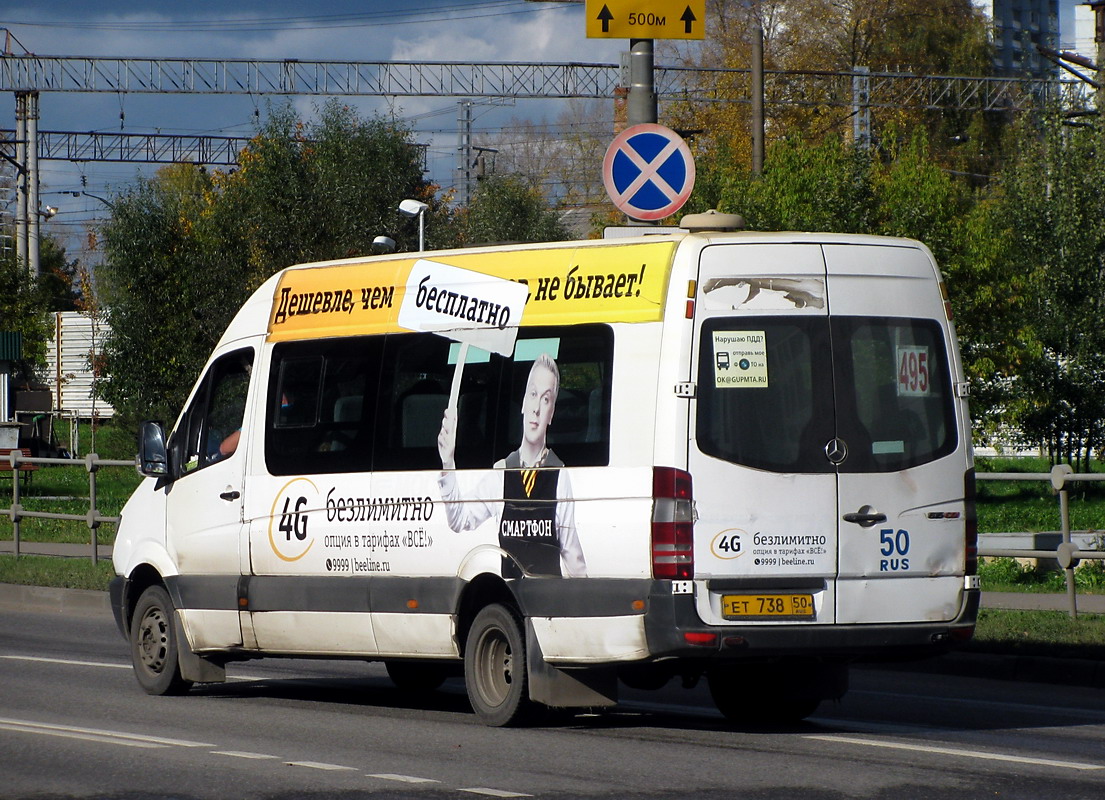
x: 1032, y: 506
x: 63, y: 573
x: 1039, y: 633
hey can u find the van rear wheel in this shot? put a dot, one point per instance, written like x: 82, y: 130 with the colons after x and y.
x: 154, y: 644
x: 786, y: 692
x: 495, y: 668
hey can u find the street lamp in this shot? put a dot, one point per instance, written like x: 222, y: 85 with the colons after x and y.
x: 383, y: 244
x: 416, y: 208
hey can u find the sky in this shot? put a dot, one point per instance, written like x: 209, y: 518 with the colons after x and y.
x: 323, y: 30
x: 339, y: 30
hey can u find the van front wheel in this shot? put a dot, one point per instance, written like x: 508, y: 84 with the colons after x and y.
x: 153, y: 644
x: 495, y: 668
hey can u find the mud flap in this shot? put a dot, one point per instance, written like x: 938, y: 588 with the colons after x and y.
x: 562, y: 688
x: 192, y: 667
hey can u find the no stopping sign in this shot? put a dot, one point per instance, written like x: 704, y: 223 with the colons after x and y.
x: 648, y: 172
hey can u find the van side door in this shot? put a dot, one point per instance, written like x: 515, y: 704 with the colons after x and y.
x: 204, y: 521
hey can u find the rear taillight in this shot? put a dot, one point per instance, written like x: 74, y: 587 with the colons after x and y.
x: 672, y: 524
x: 971, y: 523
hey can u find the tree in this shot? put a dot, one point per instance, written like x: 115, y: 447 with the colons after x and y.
x: 805, y: 186
x: 1048, y: 203
x: 24, y: 310
x: 504, y: 208
x: 26, y: 303
x: 183, y: 250
x: 164, y: 303
x: 923, y: 36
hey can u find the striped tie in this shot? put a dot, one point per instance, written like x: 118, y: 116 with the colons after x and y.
x: 529, y: 477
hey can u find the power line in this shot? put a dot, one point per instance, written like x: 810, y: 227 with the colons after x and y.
x: 122, y: 76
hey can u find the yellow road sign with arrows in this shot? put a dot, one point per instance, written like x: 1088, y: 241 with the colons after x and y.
x: 646, y: 19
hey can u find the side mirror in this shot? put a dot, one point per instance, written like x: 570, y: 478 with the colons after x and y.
x: 153, y: 456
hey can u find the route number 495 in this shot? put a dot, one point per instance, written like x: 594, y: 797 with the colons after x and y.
x: 913, y: 371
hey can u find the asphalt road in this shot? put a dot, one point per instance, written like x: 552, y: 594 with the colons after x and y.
x: 75, y: 724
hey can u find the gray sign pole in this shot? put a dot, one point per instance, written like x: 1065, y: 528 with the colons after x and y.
x: 641, y: 104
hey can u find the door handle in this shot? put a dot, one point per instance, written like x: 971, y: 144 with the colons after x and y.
x: 232, y: 494
x: 865, y: 517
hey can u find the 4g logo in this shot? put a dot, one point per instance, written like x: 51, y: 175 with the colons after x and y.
x: 295, y: 521
x: 727, y: 544
x: 288, y: 519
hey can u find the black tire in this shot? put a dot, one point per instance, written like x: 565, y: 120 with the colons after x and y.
x: 153, y: 644
x: 495, y: 670
x: 417, y: 676
x: 733, y: 698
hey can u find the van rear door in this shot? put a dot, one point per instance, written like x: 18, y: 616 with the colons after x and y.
x: 765, y: 494
x: 901, y: 485
x: 825, y: 436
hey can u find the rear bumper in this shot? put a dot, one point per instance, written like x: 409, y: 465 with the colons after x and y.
x: 577, y: 615
x: 672, y: 624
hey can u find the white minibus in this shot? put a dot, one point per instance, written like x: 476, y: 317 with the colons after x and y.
x: 741, y: 457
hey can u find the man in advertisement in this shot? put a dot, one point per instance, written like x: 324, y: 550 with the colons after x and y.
x: 528, y: 493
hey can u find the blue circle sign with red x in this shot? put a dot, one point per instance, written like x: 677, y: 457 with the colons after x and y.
x: 648, y: 172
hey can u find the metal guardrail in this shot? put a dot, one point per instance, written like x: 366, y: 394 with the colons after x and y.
x: 92, y: 463
x: 1067, y: 554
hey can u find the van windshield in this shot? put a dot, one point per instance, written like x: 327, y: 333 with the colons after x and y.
x: 775, y: 392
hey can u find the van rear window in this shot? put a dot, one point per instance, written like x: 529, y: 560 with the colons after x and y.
x: 376, y: 403
x: 775, y: 391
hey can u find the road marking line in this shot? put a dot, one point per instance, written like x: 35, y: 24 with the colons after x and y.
x: 241, y: 754
x: 76, y: 663
x: 46, y: 727
x: 390, y: 776
x: 951, y: 751
x: 494, y: 792
x: 970, y: 701
x: 88, y: 737
x: 68, y: 661
x: 319, y: 765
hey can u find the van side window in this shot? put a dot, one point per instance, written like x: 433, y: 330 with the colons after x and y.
x: 418, y: 375
x: 212, y: 425
x: 320, y: 405
x: 376, y: 403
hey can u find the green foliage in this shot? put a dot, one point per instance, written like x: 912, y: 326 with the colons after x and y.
x: 915, y: 198
x: 165, y: 296
x: 25, y: 309
x: 185, y: 249
x: 505, y: 209
x: 806, y: 186
x: 1046, y: 219
x: 1001, y: 572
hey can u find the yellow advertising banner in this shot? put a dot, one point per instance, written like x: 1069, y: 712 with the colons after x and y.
x: 566, y: 285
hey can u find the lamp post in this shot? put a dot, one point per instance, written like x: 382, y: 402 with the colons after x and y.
x: 416, y: 208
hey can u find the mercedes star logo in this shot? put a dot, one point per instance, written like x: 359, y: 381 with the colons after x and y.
x: 836, y: 451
